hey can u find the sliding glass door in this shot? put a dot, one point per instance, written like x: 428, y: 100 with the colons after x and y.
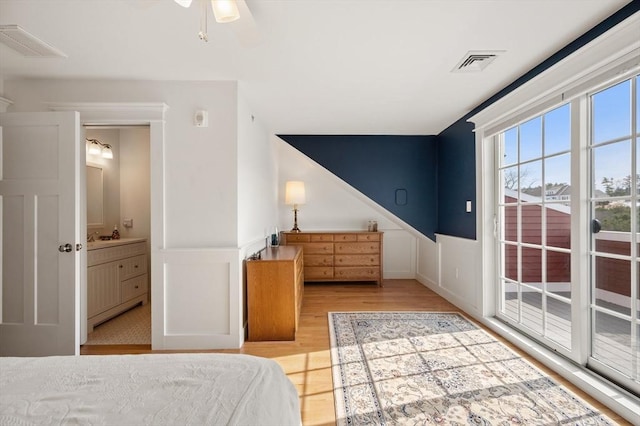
x: 535, y: 233
x: 538, y: 204
x: 613, y: 255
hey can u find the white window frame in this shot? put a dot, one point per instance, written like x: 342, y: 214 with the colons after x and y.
x: 609, y: 57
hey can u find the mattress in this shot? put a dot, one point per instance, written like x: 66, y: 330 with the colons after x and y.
x: 157, y: 389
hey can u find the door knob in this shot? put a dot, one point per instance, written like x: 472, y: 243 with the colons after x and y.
x: 65, y: 248
x: 595, y: 226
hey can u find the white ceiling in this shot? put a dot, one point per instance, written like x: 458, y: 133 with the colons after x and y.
x: 320, y: 66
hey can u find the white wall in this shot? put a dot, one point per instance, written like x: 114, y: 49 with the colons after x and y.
x: 135, y: 182
x: 332, y: 204
x: 257, y: 178
x: 200, y: 163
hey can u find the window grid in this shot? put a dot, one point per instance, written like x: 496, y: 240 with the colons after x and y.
x: 542, y: 288
x: 616, y: 359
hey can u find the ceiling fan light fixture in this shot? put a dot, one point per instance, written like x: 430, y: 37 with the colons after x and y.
x: 225, y: 10
x: 183, y: 3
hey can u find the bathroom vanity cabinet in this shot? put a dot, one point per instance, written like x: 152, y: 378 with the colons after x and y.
x: 117, y: 278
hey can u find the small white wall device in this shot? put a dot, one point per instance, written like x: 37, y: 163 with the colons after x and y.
x: 201, y: 118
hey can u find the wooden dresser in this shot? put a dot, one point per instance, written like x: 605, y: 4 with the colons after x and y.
x: 339, y: 256
x: 275, y: 287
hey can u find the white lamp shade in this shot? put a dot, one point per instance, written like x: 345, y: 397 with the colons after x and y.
x: 107, y: 152
x: 183, y: 3
x: 94, y: 148
x: 225, y: 10
x: 294, y: 193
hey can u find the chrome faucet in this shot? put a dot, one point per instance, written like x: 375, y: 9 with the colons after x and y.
x: 90, y: 237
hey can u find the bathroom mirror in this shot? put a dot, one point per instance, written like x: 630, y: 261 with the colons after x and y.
x: 95, y: 196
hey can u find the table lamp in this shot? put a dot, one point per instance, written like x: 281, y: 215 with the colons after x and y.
x: 294, y: 195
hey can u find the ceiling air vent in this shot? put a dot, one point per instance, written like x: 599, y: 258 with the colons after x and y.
x: 27, y: 44
x: 476, y: 61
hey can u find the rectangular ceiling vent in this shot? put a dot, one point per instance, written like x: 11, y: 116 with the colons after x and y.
x: 27, y: 44
x: 476, y: 61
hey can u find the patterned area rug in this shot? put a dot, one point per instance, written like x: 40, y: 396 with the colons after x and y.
x: 132, y: 327
x: 392, y: 368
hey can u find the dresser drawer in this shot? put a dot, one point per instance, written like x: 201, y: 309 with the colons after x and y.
x: 318, y: 260
x: 346, y: 237
x: 321, y: 237
x: 297, y: 238
x: 357, y: 274
x: 134, y: 287
x: 132, y: 267
x: 109, y: 254
x: 357, y: 248
x: 369, y: 237
x: 316, y: 248
x: 318, y: 273
x: 357, y: 260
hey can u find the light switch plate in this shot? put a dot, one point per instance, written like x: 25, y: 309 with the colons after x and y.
x: 468, y: 206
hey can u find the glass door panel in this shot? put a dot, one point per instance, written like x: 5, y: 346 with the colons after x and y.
x: 614, y: 232
x: 535, y: 234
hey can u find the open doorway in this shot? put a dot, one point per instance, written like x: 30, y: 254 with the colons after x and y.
x: 118, y: 202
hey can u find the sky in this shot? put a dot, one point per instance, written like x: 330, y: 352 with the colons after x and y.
x: 551, y: 134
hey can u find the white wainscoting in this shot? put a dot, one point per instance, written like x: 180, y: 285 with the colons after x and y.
x: 451, y: 268
x: 428, y: 259
x: 399, y: 254
x: 201, y: 292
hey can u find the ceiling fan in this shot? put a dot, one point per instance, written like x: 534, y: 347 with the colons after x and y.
x: 236, y: 13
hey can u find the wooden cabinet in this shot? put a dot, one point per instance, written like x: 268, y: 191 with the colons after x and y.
x: 117, y: 278
x: 275, y: 287
x: 339, y: 256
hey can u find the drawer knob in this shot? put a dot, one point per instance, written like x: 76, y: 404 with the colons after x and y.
x: 121, y: 266
x: 136, y: 287
x: 135, y: 266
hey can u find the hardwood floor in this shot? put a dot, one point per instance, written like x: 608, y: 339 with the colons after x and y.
x: 307, y: 361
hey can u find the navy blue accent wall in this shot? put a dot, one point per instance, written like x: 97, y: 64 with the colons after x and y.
x: 397, y: 172
x: 457, y: 180
x: 456, y: 144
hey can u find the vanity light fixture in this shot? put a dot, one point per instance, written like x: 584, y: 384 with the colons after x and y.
x: 294, y: 193
x: 95, y: 147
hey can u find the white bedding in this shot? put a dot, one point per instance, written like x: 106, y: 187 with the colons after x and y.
x: 158, y: 389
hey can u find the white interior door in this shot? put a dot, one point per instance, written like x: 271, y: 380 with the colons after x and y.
x: 40, y: 158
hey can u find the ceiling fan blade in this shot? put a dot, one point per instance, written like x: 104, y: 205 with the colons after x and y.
x: 245, y: 28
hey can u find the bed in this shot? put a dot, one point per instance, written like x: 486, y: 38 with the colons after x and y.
x: 156, y: 389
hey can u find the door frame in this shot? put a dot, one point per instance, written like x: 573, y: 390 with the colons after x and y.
x: 131, y: 113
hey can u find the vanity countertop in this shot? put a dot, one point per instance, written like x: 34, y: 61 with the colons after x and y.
x: 93, y: 245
